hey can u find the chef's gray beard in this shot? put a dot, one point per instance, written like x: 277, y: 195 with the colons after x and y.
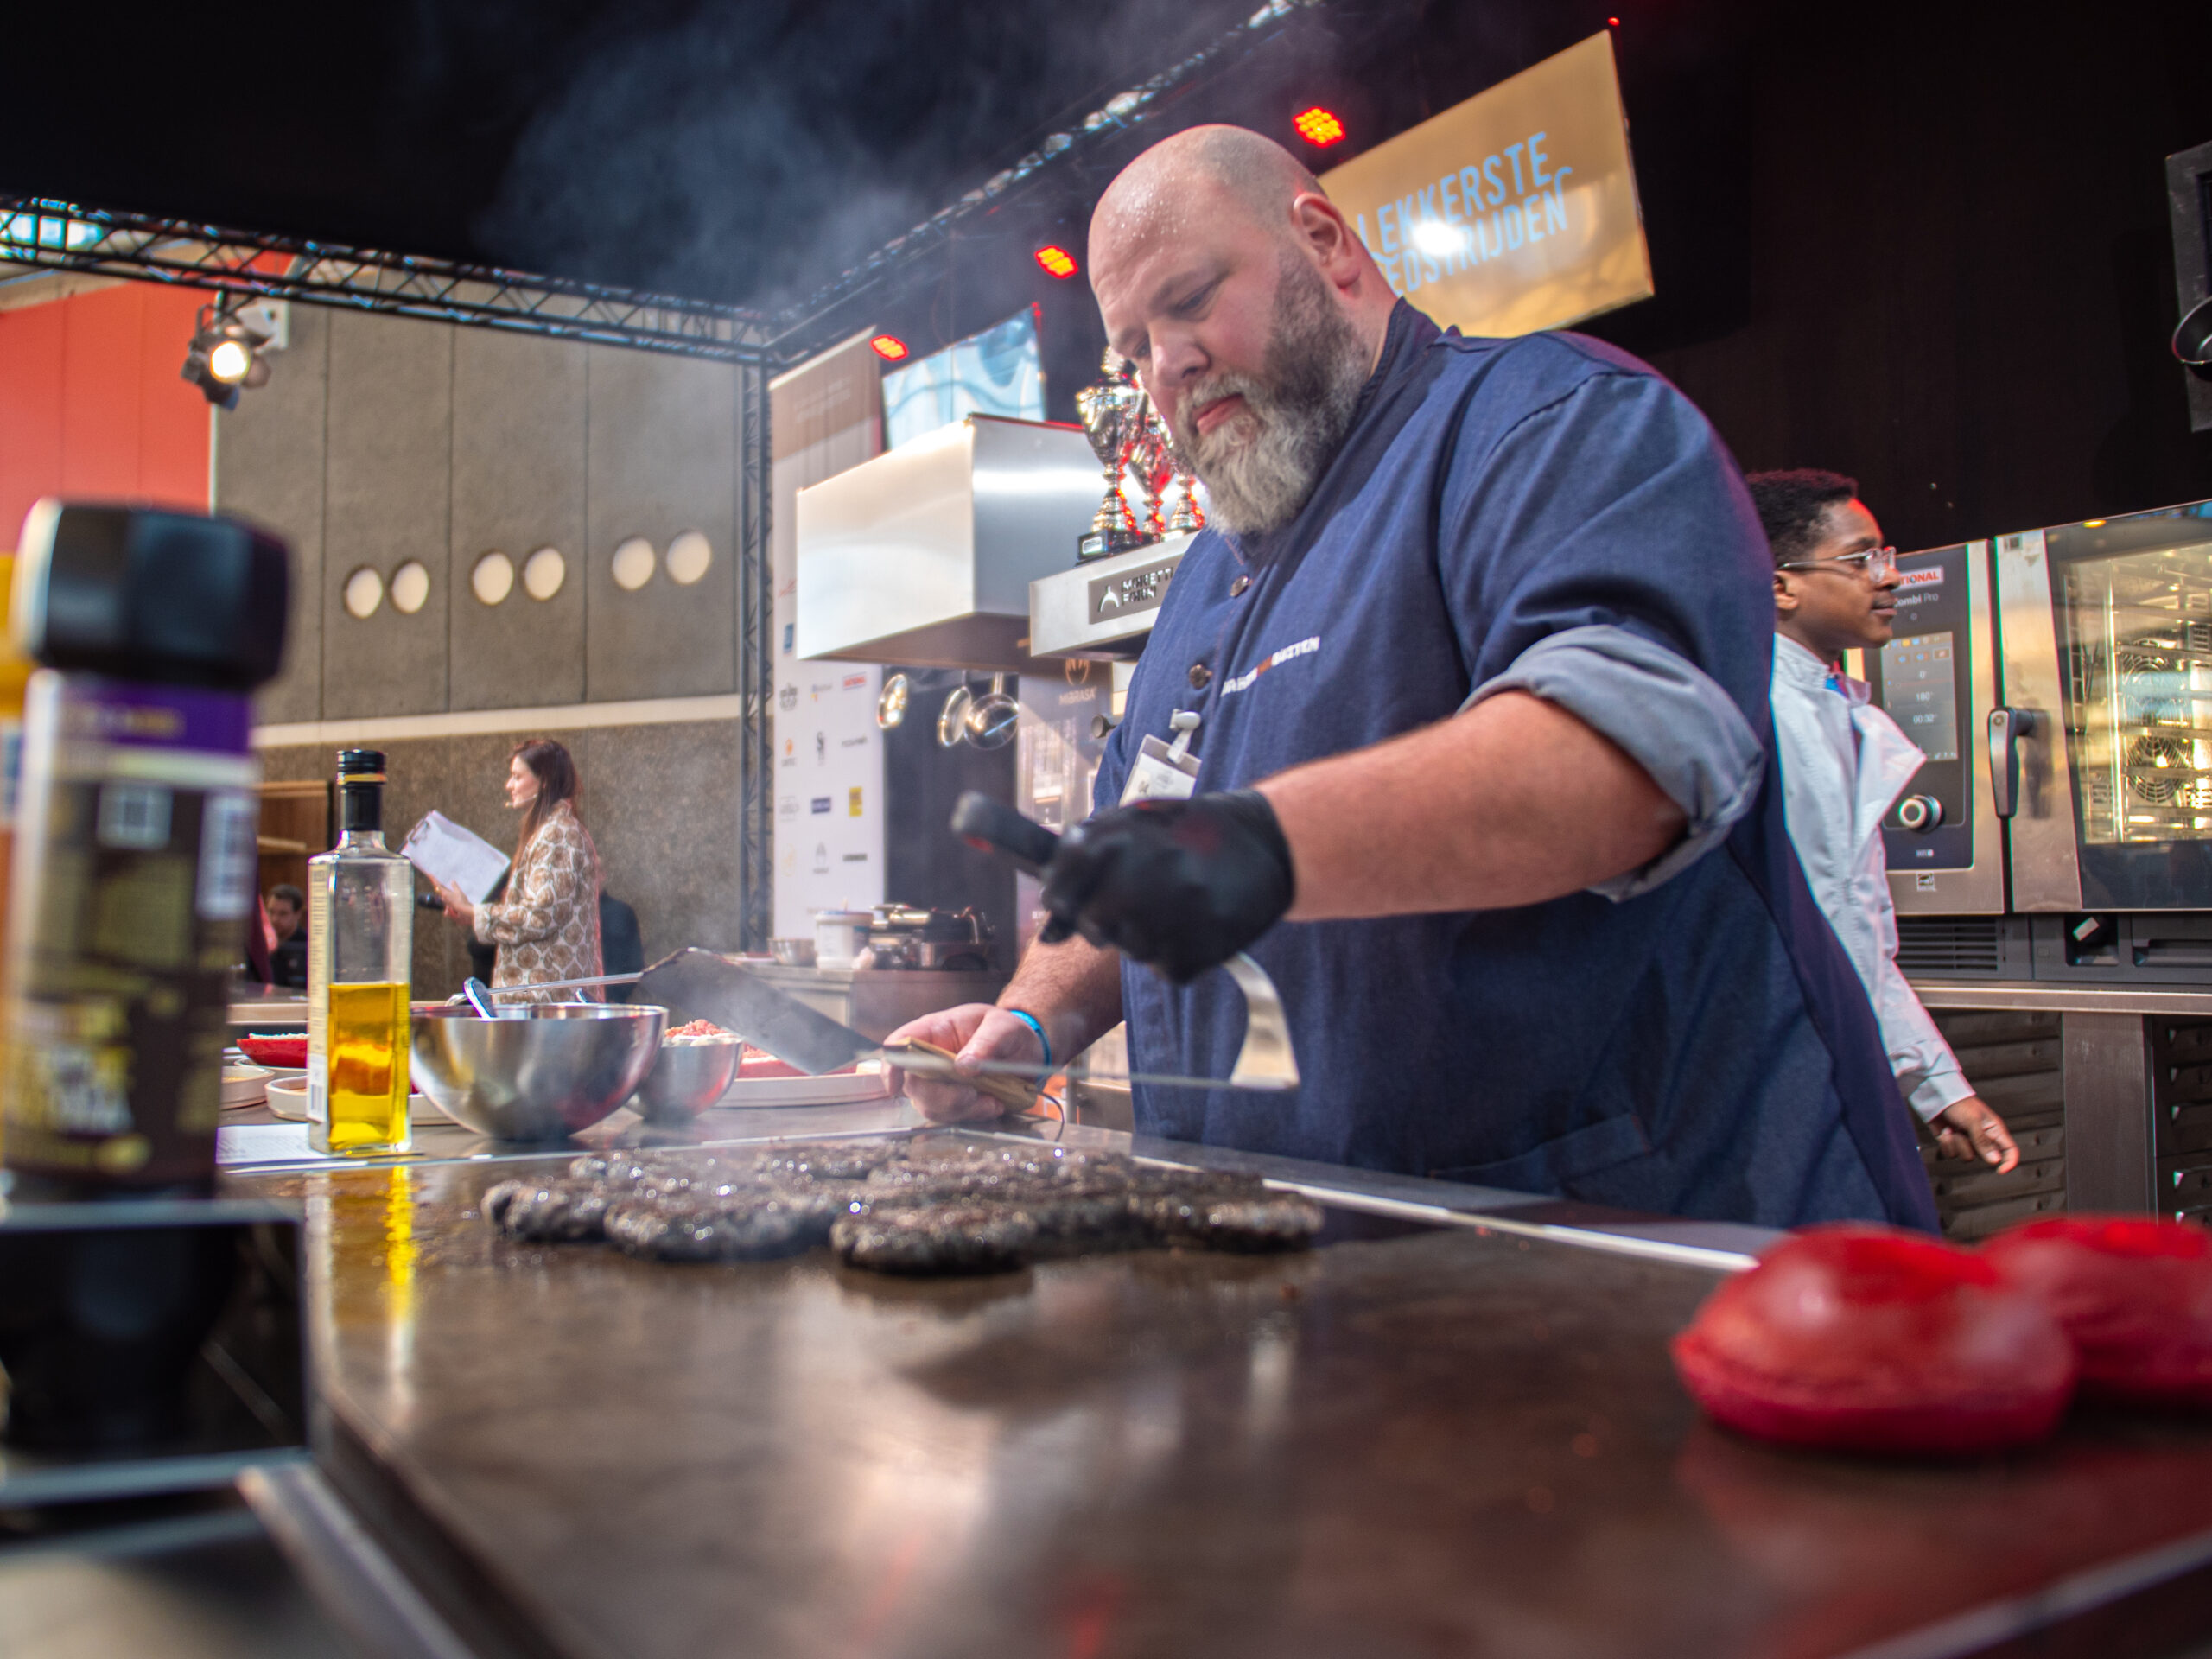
x: 1260, y: 465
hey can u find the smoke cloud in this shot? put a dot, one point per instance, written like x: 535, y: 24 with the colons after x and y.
x: 749, y: 153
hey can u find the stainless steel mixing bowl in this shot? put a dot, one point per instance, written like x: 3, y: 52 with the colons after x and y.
x: 539, y: 1075
x: 688, y: 1078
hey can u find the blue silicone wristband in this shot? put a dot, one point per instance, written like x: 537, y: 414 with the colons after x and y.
x: 1037, y: 1026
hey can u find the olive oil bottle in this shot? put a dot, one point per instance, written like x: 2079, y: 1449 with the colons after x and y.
x: 360, y: 941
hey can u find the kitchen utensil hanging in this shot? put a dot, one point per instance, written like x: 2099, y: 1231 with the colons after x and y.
x: 891, y: 707
x: 952, y: 719
x: 993, y: 717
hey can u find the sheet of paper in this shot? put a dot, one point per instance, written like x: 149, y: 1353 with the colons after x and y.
x: 445, y: 852
x: 264, y: 1143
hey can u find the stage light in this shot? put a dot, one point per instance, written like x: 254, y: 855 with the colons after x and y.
x: 1318, y: 127
x: 889, y: 347
x: 1058, y: 261
x: 228, y: 351
x: 230, y: 361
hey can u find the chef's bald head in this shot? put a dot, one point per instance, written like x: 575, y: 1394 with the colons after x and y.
x: 1249, y: 306
x: 1197, y: 172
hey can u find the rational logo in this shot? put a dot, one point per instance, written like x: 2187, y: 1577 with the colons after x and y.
x: 1305, y: 647
x: 1930, y: 577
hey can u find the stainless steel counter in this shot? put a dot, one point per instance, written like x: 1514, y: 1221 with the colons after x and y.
x: 1464, y: 1439
x: 2054, y: 997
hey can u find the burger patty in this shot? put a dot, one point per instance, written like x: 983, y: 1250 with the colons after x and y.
x: 940, y: 1239
x: 889, y: 1207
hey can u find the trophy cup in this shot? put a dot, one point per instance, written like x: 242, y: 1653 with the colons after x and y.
x: 1153, y: 460
x: 1188, y: 519
x: 1113, y: 412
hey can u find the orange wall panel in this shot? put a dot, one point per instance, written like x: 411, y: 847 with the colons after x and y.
x: 31, y: 350
x: 176, y: 425
x: 91, y: 404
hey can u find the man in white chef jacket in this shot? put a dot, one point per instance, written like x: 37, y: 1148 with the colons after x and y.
x: 1844, y: 762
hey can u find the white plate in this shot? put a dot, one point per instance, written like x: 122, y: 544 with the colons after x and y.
x: 244, y: 1084
x: 288, y: 1099
x: 839, y: 1088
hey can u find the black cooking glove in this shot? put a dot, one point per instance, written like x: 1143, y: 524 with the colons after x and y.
x: 1181, y: 885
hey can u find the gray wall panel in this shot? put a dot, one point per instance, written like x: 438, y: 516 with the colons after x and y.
x: 662, y: 801
x: 388, y: 501
x: 663, y: 459
x: 518, y: 485
x: 268, y: 467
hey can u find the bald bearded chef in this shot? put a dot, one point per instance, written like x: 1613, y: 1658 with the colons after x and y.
x: 1479, y: 644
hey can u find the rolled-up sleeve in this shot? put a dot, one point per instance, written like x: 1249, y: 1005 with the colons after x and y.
x: 1665, y: 713
x: 1603, y: 554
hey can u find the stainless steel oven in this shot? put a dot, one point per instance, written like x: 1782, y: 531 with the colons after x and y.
x: 2063, y: 825
x: 1943, y: 838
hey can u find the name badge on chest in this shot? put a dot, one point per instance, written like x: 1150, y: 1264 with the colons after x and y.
x: 1162, y: 771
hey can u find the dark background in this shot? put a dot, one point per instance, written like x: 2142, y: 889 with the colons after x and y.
x: 1926, y: 244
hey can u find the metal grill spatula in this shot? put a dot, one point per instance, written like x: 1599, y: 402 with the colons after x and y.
x: 699, y: 985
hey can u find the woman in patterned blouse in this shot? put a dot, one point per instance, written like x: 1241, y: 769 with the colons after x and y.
x: 547, y: 927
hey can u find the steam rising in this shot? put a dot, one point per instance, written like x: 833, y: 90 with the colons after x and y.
x: 748, y: 152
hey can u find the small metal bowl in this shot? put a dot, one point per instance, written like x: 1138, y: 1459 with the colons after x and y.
x: 536, y: 1075
x: 793, y: 953
x: 688, y: 1078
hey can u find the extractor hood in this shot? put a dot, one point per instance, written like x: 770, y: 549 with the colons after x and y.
x: 925, y: 556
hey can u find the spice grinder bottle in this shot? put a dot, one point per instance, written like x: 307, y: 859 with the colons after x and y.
x: 135, y: 863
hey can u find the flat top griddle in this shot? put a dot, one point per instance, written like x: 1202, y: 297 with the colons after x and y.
x: 1452, y: 1439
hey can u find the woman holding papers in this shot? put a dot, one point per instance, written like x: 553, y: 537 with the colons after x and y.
x: 547, y: 926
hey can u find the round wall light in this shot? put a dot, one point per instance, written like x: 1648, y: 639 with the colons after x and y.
x: 363, y: 593
x: 410, y: 587
x: 633, y: 565
x: 543, y: 572
x: 688, y: 555
x: 494, y: 578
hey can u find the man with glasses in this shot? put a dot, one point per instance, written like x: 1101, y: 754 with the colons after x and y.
x: 1844, y: 762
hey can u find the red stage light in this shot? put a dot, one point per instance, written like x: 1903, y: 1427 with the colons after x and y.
x: 1612, y: 22
x: 1056, y: 260
x: 1318, y: 127
x: 889, y: 347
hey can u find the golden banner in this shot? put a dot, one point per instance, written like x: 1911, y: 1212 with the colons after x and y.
x: 1514, y: 211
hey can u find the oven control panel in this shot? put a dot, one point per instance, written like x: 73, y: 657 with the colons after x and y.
x: 1923, y: 680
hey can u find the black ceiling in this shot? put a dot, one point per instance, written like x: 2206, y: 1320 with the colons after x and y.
x: 743, y: 152
x: 727, y: 151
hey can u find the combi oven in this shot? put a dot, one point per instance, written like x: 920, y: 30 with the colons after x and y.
x: 2060, y: 681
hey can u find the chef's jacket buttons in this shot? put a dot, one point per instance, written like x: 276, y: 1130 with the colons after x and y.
x: 1237, y: 588
x: 1201, y: 677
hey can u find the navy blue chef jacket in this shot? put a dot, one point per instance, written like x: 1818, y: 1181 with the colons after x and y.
x: 1545, y: 514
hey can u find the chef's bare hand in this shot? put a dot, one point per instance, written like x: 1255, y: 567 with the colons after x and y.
x: 974, y: 1031
x: 1967, y: 1129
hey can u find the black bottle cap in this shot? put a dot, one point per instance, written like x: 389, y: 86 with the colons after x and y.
x: 360, y: 765
x: 140, y: 594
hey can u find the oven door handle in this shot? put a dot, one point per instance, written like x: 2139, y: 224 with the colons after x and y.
x: 2006, y: 727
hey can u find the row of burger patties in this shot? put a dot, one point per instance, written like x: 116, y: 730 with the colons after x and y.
x: 1874, y: 1339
